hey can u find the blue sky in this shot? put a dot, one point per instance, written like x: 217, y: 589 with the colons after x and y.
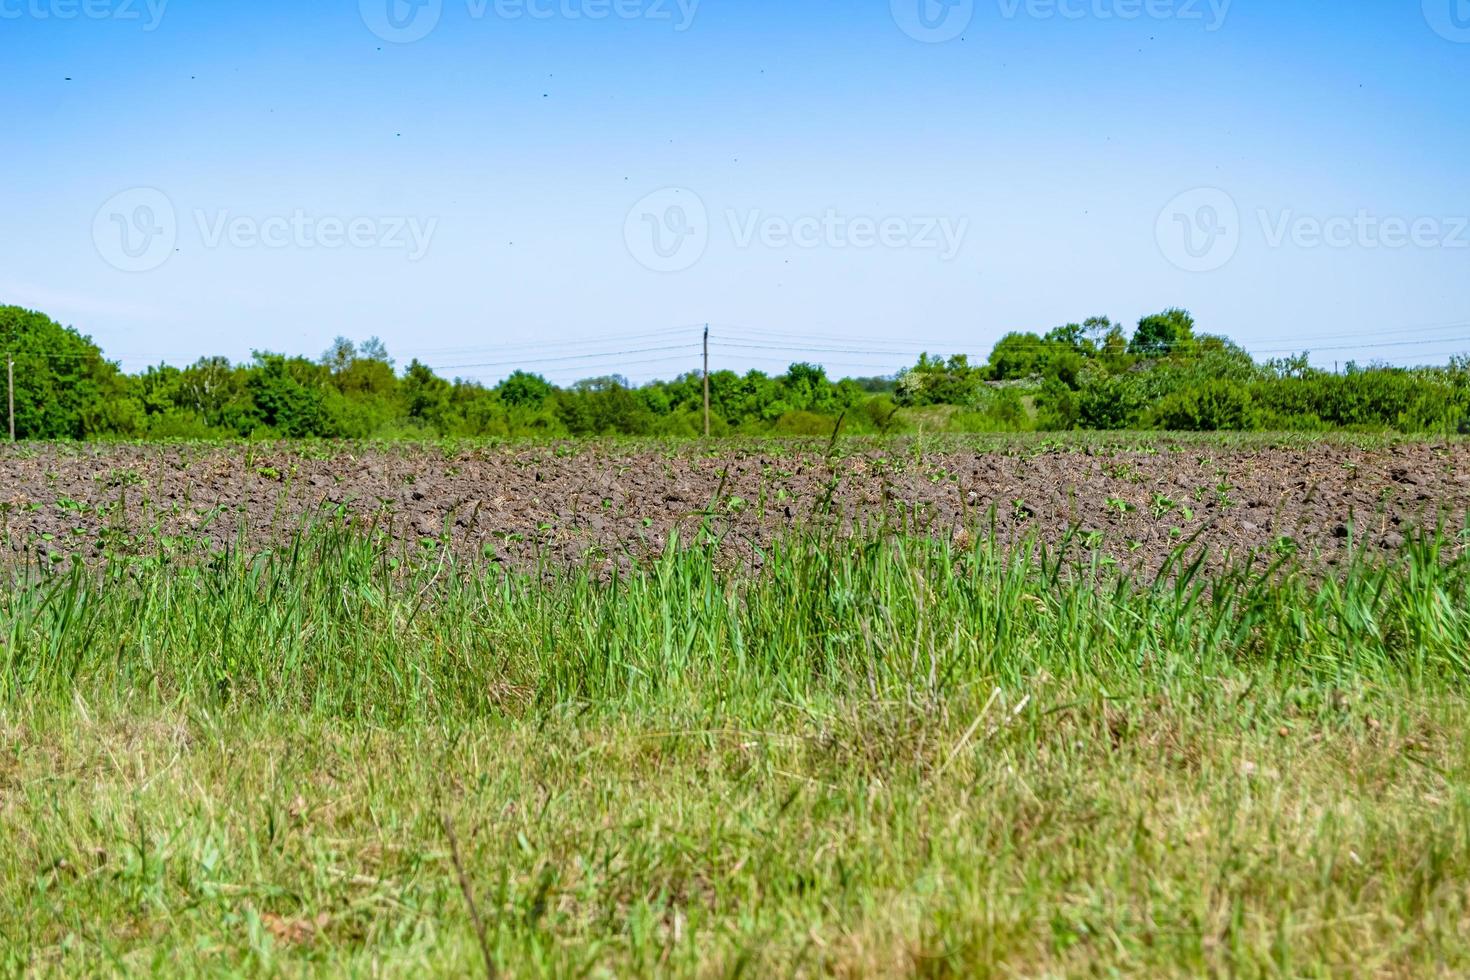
x: 578, y: 184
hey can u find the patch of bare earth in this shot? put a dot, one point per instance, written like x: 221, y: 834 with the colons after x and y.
x: 614, y: 507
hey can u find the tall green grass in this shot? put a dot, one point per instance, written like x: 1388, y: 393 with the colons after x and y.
x: 884, y: 755
x: 335, y: 622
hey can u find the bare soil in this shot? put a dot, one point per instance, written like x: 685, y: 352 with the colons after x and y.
x: 615, y: 506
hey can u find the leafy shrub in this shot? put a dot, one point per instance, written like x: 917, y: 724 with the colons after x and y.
x: 935, y: 381
x: 801, y: 423
x: 1213, y: 406
x: 1112, y: 402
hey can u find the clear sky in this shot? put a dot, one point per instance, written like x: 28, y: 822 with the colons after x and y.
x: 557, y: 182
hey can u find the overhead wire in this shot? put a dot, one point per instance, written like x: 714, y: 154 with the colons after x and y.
x: 753, y: 344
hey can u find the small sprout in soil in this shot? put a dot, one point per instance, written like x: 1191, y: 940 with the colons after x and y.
x: 1161, y: 506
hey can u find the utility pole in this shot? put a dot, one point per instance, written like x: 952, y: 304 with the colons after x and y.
x: 706, y: 380
x: 10, y: 391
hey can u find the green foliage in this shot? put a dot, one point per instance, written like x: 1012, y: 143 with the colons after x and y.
x: 802, y: 423
x: 64, y: 389
x: 1164, y: 333
x: 1112, y: 401
x: 1382, y: 398
x: 288, y: 393
x: 522, y: 390
x: 995, y: 409
x: 1212, y: 406
x: 1016, y: 356
x: 603, y: 406
x: 935, y: 381
x: 1086, y: 375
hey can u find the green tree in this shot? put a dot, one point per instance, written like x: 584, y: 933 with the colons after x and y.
x: 1161, y: 334
x: 427, y: 397
x: 935, y: 381
x: 604, y: 406
x: 1016, y: 356
x: 64, y: 388
x: 522, y: 390
x: 288, y: 393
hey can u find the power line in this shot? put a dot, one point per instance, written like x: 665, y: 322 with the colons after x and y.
x: 745, y: 343
x: 544, y: 345
x: 555, y: 374
x: 787, y: 362
x: 1377, y: 332
x: 569, y: 357
x: 815, y: 349
x: 1046, y: 346
x: 1394, y: 343
x: 909, y: 347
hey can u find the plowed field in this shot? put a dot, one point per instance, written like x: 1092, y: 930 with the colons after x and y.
x: 614, y: 506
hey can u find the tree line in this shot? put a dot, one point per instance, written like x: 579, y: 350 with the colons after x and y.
x: 1163, y: 374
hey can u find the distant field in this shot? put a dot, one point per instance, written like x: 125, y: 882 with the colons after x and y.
x: 792, y: 746
x: 1134, y: 498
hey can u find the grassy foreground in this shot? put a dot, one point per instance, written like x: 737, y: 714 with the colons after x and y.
x: 899, y: 756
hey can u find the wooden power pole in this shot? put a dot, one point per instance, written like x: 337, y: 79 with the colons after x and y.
x: 706, y: 380
x: 10, y: 391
